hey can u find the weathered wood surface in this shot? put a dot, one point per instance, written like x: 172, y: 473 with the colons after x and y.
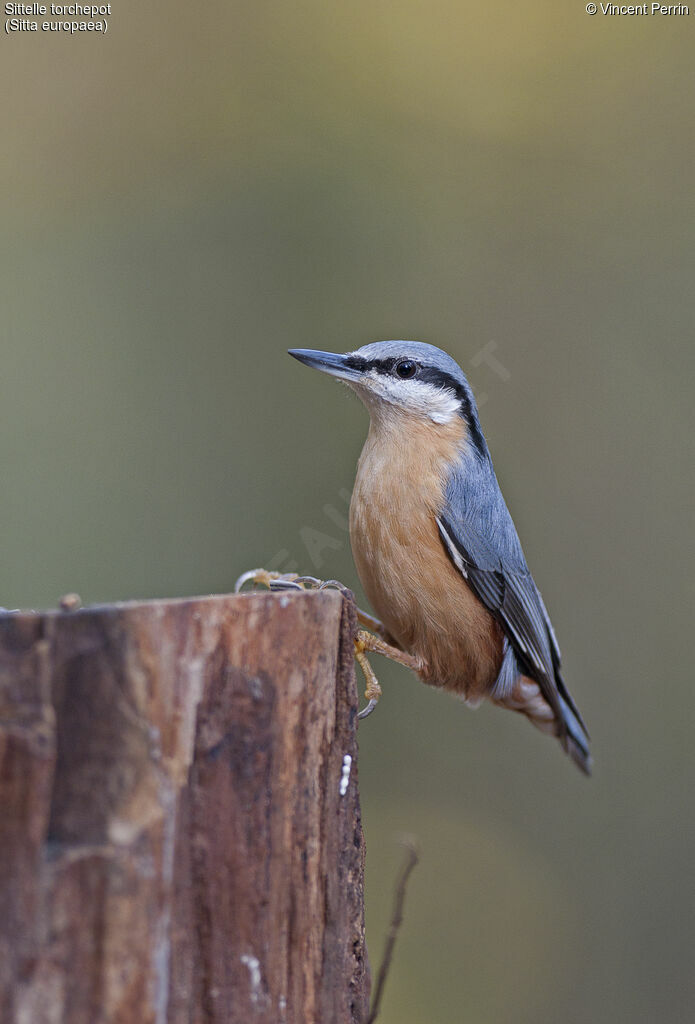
x: 174, y: 845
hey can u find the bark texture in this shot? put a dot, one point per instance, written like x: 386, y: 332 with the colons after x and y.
x: 180, y: 837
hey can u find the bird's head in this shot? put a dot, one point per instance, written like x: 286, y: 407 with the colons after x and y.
x: 401, y: 378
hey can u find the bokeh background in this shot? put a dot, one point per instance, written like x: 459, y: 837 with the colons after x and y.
x: 209, y: 184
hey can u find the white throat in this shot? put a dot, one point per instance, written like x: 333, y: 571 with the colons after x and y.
x: 440, y: 405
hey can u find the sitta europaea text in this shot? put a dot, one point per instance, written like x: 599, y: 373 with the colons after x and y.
x: 435, y: 545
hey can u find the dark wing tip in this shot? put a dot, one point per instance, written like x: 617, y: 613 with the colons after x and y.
x: 574, y: 738
x: 581, y: 757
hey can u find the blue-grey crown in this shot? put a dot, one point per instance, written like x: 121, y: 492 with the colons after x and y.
x: 426, y: 355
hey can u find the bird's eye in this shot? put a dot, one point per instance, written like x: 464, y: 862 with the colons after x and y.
x: 406, y: 369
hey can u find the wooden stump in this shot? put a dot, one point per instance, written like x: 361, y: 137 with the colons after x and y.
x: 180, y: 837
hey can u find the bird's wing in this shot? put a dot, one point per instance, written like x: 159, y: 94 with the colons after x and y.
x: 481, y: 540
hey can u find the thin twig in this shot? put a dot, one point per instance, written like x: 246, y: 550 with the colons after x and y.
x: 411, y: 859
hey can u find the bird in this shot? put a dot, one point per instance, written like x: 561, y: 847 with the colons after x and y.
x: 435, y: 546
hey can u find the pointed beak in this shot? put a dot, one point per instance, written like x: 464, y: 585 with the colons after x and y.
x: 328, y: 362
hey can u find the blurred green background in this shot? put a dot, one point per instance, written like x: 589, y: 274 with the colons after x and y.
x: 207, y: 185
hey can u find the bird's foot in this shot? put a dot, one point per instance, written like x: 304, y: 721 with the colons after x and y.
x: 285, y: 581
x: 373, y: 690
x: 364, y: 641
x: 291, y: 581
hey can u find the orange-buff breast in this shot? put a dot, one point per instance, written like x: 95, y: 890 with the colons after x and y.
x: 421, y: 598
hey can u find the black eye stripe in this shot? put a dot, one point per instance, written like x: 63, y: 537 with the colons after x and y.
x: 365, y: 365
x: 428, y: 374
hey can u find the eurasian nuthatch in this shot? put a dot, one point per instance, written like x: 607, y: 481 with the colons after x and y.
x: 435, y: 546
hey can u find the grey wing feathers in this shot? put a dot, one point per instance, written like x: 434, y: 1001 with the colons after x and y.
x: 510, y: 595
x: 485, y: 541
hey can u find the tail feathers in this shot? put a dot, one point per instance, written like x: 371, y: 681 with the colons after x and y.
x: 575, y: 740
x: 525, y: 696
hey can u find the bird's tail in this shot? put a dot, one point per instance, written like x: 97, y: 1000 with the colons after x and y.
x: 526, y: 697
x: 575, y: 739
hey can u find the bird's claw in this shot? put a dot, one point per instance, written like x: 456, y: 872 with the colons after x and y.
x: 271, y: 580
x: 366, y: 711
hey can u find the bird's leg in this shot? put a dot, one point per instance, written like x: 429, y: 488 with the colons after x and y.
x: 364, y: 642
x: 376, y: 645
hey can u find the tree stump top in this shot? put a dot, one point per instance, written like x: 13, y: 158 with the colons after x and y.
x: 180, y: 838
